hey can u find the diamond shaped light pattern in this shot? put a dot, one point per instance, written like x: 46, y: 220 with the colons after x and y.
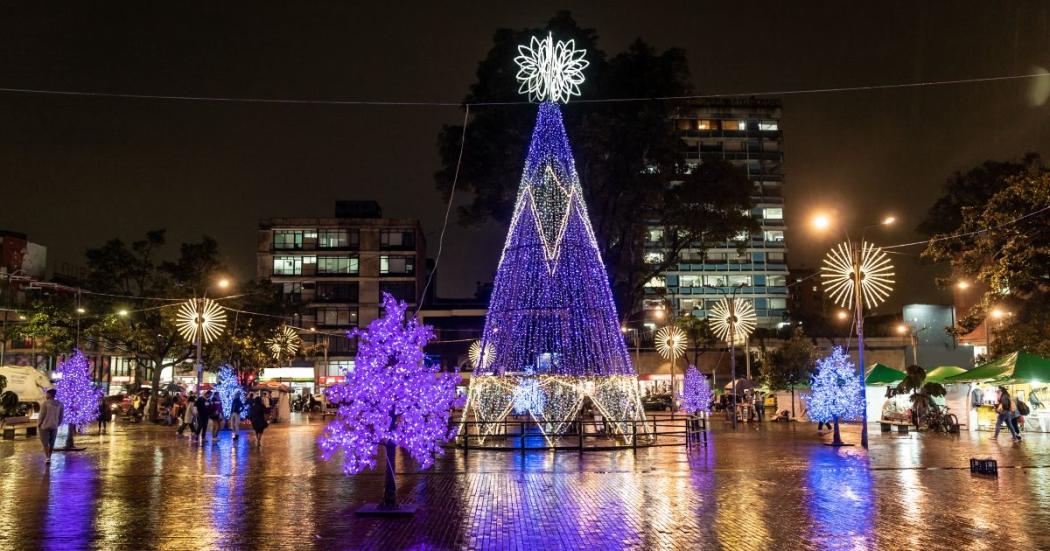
x: 552, y: 309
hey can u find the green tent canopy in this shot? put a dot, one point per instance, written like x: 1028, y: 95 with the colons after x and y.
x: 1018, y: 367
x: 881, y: 374
x: 942, y: 372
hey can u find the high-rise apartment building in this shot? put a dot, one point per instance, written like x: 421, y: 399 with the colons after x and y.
x: 336, y: 268
x: 746, y: 133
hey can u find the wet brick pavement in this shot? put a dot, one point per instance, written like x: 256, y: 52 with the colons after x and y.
x: 774, y: 487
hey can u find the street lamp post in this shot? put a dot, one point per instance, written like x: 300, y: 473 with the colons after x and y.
x: 733, y: 317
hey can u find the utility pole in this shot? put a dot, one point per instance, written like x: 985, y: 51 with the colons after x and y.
x: 859, y: 305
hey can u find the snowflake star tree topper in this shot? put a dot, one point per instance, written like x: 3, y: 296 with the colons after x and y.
x: 550, y: 71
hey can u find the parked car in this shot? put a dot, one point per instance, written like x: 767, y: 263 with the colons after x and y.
x: 657, y: 402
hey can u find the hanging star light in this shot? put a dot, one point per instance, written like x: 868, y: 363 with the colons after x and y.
x: 284, y: 343
x: 734, y: 315
x: 207, y: 323
x: 876, y: 275
x: 478, y: 360
x: 671, y: 342
x: 549, y: 70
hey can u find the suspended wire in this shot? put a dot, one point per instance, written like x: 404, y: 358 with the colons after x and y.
x: 968, y: 234
x: 448, y: 208
x: 394, y: 103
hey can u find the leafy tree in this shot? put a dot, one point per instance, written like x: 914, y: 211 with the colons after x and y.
x: 51, y: 324
x: 790, y: 365
x: 627, y: 154
x: 1007, y: 247
x: 148, y: 333
x: 922, y: 393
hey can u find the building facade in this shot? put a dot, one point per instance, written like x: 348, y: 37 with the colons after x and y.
x: 746, y: 133
x: 334, y: 269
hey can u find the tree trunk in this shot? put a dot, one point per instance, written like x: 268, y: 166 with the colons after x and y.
x: 390, y: 486
x: 154, y: 401
x: 792, y: 401
x: 837, y: 439
x: 69, y: 436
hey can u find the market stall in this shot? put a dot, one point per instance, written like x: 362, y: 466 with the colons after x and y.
x: 878, y: 387
x: 1025, y: 376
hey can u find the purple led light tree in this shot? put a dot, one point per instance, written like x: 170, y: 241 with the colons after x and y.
x: 836, y: 391
x: 551, y: 308
x: 78, y: 394
x: 391, y: 398
x: 696, y: 393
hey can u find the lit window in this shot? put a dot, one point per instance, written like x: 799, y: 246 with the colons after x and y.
x: 777, y: 303
x: 690, y: 281
x: 715, y: 280
x: 337, y: 317
x: 656, y: 235
x: 287, y: 239
x: 768, y: 126
x: 776, y: 280
x: 654, y: 257
x: 734, y: 125
x: 742, y: 236
x: 336, y: 265
x: 396, y: 239
x: 656, y: 281
x: 287, y: 265
x: 405, y: 265
x: 705, y: 125
x: 333, y: 239
x: 775, y: 258
x: 735, y: 280
x: 776, y: 236
x: 773, y: 214
x: 340, y: 367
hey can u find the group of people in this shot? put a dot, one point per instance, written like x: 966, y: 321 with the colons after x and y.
x: 199, y: 412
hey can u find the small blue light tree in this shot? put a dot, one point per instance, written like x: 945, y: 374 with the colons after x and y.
x: 836, y: 392
x: 696, y: 393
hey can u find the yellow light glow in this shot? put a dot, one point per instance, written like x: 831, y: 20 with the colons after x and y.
x: 889, y: 220
x: 659, y: 314
x: 478, y: 359
x: 81, y: 311
x: 223, y: 283
x: 284, y: 343
x: 998, y: 314
x: 902, y: 329
x: 733, y: 319
x: 963, y: 284
x: 842, y: 314
x: 821, y: 222
x: 122, y: 313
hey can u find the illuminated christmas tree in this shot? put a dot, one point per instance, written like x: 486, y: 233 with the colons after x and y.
x: 835, y: 393
x: 78, y: 393
x: 696, y: 393
x: 552, y: 311
x: 229, y: 387
x: 391, y: 398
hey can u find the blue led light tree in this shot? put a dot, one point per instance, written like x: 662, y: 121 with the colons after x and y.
x: 229, y: 387
x: 551, y: 318
x: 835, y: 392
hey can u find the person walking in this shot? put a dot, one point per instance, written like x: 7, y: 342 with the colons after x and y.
x: 50, y: 418
x: 235, y: 415
x: 189, y: 411
x: 202, y: 405
x: 257, y: 415
x: 1020, y: 410
x: 1004, y: 407
x: 104, y: 416
x: 216, y: 417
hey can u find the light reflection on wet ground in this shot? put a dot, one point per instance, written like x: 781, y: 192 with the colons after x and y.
x: 777, y: 486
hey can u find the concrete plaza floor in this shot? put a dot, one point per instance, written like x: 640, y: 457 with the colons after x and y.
x: 770, y: 487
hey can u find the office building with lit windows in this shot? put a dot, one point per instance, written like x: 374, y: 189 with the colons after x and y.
x: 745, y: 132
x: 334, y: 269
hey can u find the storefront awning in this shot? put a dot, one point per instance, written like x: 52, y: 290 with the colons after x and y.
x: 942, y: 372
x: 881, y: 374
x: 1018, y: 367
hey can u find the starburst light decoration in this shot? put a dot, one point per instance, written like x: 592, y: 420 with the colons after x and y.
x: 549, y: 70
x: 876, y: 275
x: 478, y: 360
x: 284, y: 343
x: 671, y: 342
x: 733, y: 316
x: 207, y: 323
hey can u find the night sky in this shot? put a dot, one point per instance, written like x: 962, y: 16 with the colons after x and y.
x: 78, y: 170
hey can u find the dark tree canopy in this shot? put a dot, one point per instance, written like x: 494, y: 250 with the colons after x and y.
x: 627, y: 153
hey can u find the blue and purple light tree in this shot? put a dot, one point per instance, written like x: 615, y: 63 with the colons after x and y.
x: 228, y: 388
x: 78, y: 393
x: 552, y: 309
x: 835, y: 391
x: 696, y: 393
x: 391, y: 398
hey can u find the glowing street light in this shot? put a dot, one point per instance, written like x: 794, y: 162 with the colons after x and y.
x: 842, y: 314
x: 821, y: 222
x: 902, y: 329
x: 889, y: 220
x: 963, y: 284
x: 122, y: 313
x: 223, y: 283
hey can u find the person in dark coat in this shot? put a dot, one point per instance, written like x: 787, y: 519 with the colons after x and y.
x: 235, y: 414
x: 104, y: 416
x: 257, y: 416
x: 203, y: 405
